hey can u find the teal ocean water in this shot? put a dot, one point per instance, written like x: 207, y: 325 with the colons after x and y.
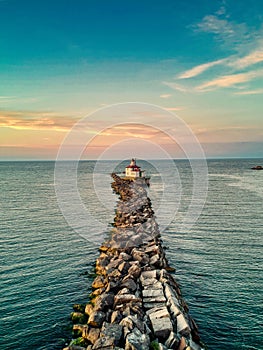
x: 46, y: 267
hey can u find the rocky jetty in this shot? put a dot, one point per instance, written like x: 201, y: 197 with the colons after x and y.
x: 136, y: 303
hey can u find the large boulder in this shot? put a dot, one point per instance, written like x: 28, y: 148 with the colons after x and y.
x: 96, y: 319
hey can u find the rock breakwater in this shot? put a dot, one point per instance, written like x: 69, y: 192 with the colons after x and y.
x: 136, y: 302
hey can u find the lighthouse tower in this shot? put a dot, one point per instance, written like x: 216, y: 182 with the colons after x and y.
x: 133, y: 170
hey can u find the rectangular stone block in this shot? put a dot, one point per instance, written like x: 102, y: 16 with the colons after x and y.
x: 154, y: 304
x: 157, y: 299
x: 154, y: 309
x: 149, y: 274
x: 168, y: 291
x: 150, y: 293
x: 161, y: 313
x: 182, y: 325
x: 148, y: 281
x: 162, y: 327
x: 155, y: 285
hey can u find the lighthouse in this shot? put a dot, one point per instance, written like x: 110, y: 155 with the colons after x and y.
x: 133, y: 170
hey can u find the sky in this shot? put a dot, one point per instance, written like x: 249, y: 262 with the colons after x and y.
x: 61, y: 61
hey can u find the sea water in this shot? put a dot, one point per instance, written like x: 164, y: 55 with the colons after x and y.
x: 46, y: 266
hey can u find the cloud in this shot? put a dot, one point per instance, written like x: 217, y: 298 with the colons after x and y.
x: 174, y: 108
x: 248, y: 60
x: 226, y: 32
x: 131, y: 130
x: 165, y: 95
x: 175, y: 86
x: 36, y: 120
x: 193, y: 72
x: 229, y: 80
x: 249, y: 92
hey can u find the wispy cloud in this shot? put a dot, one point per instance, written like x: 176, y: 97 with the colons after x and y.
x: 133, y: 131
x: 36, y: 120
x: 249, y: 92
x: 252, y: 58
x: 174, y: 108
x: 229, y: 80
x: 197, y: 70
x: 231, y: 133
x: 165, y: 95
x: 175, y: 86
x: 225, y: 31
x: 6, y: 97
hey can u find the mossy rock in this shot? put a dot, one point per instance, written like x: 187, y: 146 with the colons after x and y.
x: 154, y: 345
x: 76, y: 333
x: 78, y: 317
x: 79, y: 342
x: 79, y: 308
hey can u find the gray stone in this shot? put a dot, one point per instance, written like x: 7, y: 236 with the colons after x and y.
x: 156, y: 299
x: 164, y: 276
x: 140, y: 256
x: 96, y: 319
x: 148, y: 274
x: 162, y: 327
x: 129, y: 284
x: 169, y: 292
x: 112, y: 331
x: 159, y: 313
x: 153, y: 304
x: 124, y: 256
x: 104, y: 343
x: 137, y: 341
x: 194, y: 346
x: 173, y: 341
x: 182, y: 325
x: 74, y: 347
x: 149, y: 282
x: 112, y: 286
x: 155, y: 309
x: 138, y: 323
x: 174, y: 307
x: 104, y: 301
x: 154, y: 285
x: 151, y: 293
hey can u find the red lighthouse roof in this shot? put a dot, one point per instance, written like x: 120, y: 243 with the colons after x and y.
x: 133, y: 165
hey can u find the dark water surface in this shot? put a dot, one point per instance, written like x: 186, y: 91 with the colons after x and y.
x: 218, y: 261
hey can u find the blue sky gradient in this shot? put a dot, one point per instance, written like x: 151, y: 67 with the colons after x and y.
x: 61, y: 60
